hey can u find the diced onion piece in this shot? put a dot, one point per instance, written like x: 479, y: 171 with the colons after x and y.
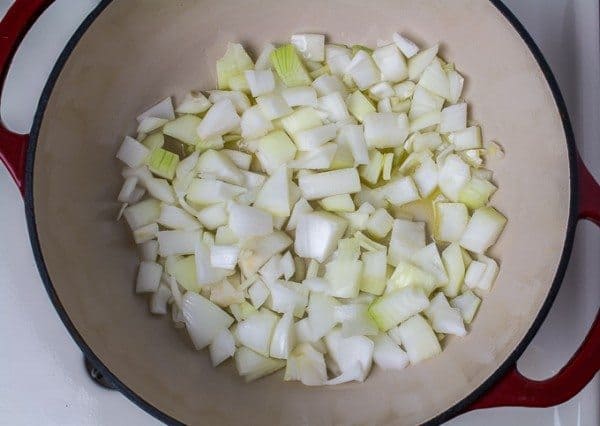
x: 388, y: 160
x: 387, y: 354
x: 310, y: 46
x: 258, y: 293
x: 435, y: 80
x: 210, y: 191
x: 174, y: 243
x: 248, y: 222
x: 453, y: 118
x: 359, y: 105
x: 325, y: 184
x: 260, y: 82
x: 300, y: 96
x: 256, y: 251
x: 344, y: 277
x: 193, y: 103
x: 491, y: 272
x: 352, y: 135
x: 203, y: 319
x: 386, y: 129
x: 423, y: 102
x: 263, y: 61
x: 240, y: 159
x: 426, y: 120
x: 407, y: 237
x: 306, y: 365
x: 274, y: 194
x: 163, y: 163
x: 426, y: 177
x: 163, y: 109
x: 224, y: 257
x: 453, y: 176
x: 444, y: 318
x: 404, y: 90
x: 426, y: 141
x: 221, y: 118
x: 150, y: 124
x: 457, y: 82
x: 275, y: 149
x: 184, y: 272
x: 321, y: 314
x: 483, y: 229
x: 374, y: 270
x: 132, y: 152
x: 474, y: 273
x: 271, y: 271
x: 287, y: 297
x: 455, y: 267
x: 218, y: 165
x: 224, y: 294
x: 176, y: 218
x: 381, y: 90
x: 257, y: 330
x: 380, y: 223
x: 149, y: 250
x: 335, y: 107
x: 356, y: 320
x: 352, y: 354
x: 338, y: 58
x: 372, y: 170
x: 317, y: 234
x: 363, y: 70
x: 222, y: 347
x: 159, y: 300
x: 142, y: 214
x: 406, y: 46
x: 148, y: 277
x: 400, y: 191
x: 289, y: 66
x: 328, y: 84
x: 420, y: 61
x: 398, y: 305
x: 476, y: 193
x: 284, y: 337
x: 391, y: 63
x: 300, y: 208
x: 253, y: 366
x: 408, y: 275
x: 428, y: 259
x: 239, y: 99
x: 234, y: 62
x: 205, y: 273
x: 450, y: 221
x: 338, y: 203
x: 301, y: 119
x: 418, y: 339
x: 310, y: 139
x: 467, y: 303
x: 254, y: 124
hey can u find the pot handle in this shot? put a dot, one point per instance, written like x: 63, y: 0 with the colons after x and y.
x: 14, y: 26
x: 514, y: 389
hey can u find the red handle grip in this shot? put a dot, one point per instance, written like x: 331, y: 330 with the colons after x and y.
x: 18, y: 20
x: 514, y: 389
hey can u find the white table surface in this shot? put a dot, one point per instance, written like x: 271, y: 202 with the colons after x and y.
x: 42, y: 379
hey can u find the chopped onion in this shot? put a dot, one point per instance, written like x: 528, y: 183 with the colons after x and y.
x: 387, y: 354
x: 385, y: 129
x: 407, y: 47
x: 363, y: 70
x: 317, y: 234
x: 310, y: 46
x: 418, y: 339
x: 203, y: 319
x: 398, y: 305
x: 391, y: 63
x: 148, y: 278
x: 221, y: 118
x: 222, y: 347
x: 300, y: 96
x: 483, y: 230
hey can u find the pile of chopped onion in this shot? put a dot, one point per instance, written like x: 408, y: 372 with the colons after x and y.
x: 324, y: 209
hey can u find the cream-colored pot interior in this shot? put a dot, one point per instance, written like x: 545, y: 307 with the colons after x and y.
x: 140, y: 51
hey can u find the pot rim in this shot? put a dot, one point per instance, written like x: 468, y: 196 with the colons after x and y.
x: 449, y: 413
